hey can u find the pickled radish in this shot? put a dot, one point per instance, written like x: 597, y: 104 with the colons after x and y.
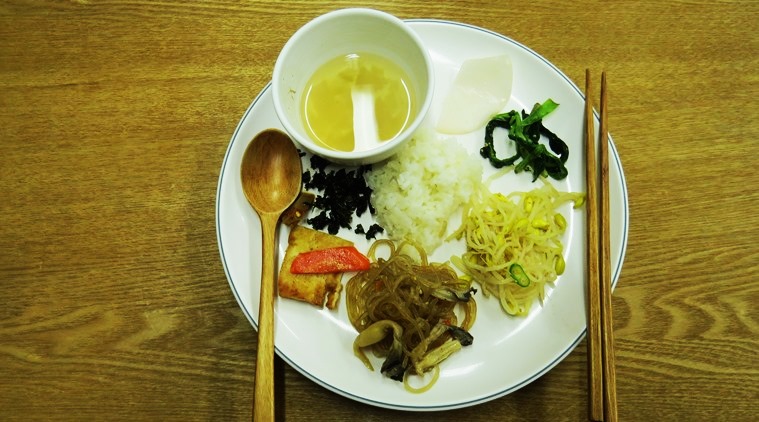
x: 481, y: 89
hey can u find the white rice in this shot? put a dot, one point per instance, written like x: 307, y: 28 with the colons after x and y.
x: 420, y: 189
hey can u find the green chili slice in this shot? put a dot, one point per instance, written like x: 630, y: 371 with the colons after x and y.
x: 520, y: 277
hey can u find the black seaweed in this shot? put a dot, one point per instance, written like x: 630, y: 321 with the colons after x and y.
x: 342, y: 193
x: 372, y: 233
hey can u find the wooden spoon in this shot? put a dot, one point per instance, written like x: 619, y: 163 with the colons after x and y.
x: 271, y: 179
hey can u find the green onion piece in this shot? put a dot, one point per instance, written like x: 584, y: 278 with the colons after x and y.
x: 520, y: 277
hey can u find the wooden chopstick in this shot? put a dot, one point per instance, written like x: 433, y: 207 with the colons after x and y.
x: 607, y: 328
x: 595, y: 355
x: 601, y: 363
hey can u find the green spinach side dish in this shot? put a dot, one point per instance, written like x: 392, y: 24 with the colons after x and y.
x: 525, y: 130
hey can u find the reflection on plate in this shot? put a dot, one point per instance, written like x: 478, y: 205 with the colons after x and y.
x: 508, y: 352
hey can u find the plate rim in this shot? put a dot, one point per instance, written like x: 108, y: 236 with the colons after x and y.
x: 460, y: 404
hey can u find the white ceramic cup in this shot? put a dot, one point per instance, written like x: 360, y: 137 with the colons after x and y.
x: 338, y: 33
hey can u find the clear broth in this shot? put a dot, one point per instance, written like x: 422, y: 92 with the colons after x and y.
x: 327, y: 105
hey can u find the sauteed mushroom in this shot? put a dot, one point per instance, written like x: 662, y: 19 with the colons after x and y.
x: 393, y: 366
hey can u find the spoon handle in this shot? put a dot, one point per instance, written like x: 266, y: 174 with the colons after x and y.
x: 263, y: 405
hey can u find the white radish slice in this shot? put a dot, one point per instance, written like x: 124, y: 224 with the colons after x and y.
x: 480, y: 90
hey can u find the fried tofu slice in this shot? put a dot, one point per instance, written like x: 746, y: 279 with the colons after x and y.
x: 311, y: 288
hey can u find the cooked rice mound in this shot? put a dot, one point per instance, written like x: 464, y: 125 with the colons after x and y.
x: 418, y: 190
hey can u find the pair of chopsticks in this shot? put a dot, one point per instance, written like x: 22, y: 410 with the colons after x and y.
x: 601, y: 371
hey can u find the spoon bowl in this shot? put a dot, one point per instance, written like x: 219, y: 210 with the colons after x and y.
x: 271, y: 177
x: 271, y: 172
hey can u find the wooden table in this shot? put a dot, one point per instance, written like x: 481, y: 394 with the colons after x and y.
x: 114, y: 120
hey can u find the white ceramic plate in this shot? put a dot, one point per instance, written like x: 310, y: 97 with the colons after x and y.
x: 508, y: 352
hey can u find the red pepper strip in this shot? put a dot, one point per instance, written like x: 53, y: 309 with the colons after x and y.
x: 331, y: 260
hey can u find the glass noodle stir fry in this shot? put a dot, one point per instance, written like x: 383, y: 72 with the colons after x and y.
x: 403, y: 308
x: 514, y: 244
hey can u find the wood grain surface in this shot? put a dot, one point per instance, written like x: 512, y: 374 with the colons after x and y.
x: 114, y: 119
